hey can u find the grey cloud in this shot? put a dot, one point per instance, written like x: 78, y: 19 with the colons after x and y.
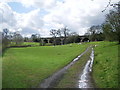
x: 7, y: 15
x: 27, y: 31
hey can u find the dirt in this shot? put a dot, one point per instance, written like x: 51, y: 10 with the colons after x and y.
x: 52, y: 80
x: 86, y: 80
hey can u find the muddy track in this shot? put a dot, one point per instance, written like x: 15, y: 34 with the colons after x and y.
x: 86, y: 80
x: 51, y: 81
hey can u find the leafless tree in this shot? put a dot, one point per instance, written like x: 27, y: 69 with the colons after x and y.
x: 54, y: 33
x: 17, y: 38
x: 59, y: 32
x: 66, y: 32
x: 5, y: 38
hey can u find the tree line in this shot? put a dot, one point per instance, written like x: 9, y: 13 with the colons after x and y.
x: 110, y: 29
x: 10, y: 38
x: 65, y: 36
x: 59, y: 37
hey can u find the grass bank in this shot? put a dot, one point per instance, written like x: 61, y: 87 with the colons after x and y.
x: 105, y: 67
x: 72, y: 76
x: 27, y: 67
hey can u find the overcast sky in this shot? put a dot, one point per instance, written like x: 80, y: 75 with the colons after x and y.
x: 40, y: 16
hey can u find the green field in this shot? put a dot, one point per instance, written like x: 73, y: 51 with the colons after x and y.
x: 26, y: 43
x: 31, y: 43
x: 27, y: 67
x: 105, y: 67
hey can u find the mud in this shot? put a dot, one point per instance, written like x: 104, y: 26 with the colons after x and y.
x: 51, y: 81
x: 85, y: 77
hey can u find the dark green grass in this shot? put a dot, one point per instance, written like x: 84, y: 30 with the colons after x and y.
x: 105, y: 67
x: 27, y: 67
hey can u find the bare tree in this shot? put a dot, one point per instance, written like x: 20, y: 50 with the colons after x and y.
x: 59, y: 32
x: 73, y: 38
x: 5, y: 38
x: 54, y: 33
x: 18, y: 39
x: 65, y: 33
x: 93, y: 32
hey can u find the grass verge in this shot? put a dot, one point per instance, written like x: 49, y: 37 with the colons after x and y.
x: 105, y: 67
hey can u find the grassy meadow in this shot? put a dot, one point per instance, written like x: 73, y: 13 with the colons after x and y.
x: 105, y: 67
x: 26, y: 43
x: 27, y: 67
x: 31, y: 43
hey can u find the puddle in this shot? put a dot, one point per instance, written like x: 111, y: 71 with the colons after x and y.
x: 85, y: 77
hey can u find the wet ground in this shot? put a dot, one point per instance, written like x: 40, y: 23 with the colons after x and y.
x: 85, y: 77
x: 85, y: 80
x: 52, y: 80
